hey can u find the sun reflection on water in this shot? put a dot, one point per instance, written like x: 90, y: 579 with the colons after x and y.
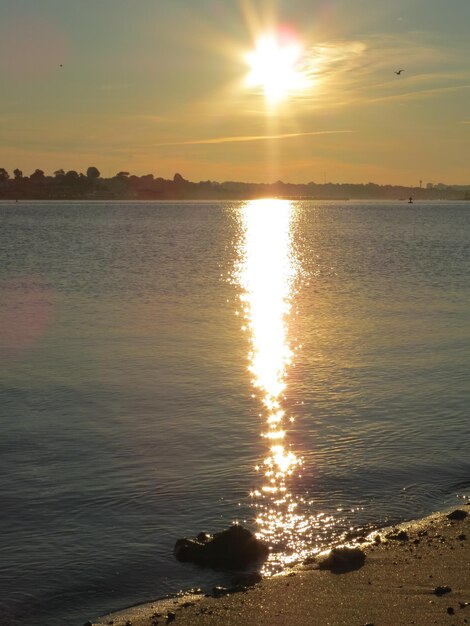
x: 267, y: 274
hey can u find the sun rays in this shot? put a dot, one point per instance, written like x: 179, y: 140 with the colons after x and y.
x: 276, y: 66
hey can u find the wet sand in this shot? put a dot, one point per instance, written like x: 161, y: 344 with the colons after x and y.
x: 418, y: 576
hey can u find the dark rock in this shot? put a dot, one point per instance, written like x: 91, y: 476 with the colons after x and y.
x: 441, y: 590
x: 170, y: 617
x: 463, y: 605
x: 462, y: 537
x: 234, y: 549
x: 343, y: 559
x: 458, y: 514
x: 450, y: 610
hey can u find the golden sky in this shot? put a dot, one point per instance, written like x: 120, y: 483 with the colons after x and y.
x: 165, y: 86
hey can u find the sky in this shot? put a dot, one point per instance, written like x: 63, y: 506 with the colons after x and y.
x: 165, y: 86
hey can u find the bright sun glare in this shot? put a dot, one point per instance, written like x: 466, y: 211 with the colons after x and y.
x: 275, y: 66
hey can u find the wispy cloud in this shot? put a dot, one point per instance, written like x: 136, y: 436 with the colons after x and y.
x: 362, y: 72
x: 242, y: 138
x: 422, y: 93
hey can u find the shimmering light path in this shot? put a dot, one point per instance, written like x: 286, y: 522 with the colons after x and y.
x: 267, y: 274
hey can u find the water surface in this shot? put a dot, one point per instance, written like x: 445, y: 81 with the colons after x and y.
x: 135, y: 409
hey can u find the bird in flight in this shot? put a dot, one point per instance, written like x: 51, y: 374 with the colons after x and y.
x: 399, y: 72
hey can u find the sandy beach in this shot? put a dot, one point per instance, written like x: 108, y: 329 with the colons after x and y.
x: 417, y: 573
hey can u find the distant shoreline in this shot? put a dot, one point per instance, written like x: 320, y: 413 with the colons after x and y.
x: 81, y: 200
x: 91, y: 186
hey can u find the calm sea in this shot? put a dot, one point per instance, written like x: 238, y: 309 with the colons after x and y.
x: 168, y: 368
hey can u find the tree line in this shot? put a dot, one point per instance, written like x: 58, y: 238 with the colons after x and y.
x: 124, y: 185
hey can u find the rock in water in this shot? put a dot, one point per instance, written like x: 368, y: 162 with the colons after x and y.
x: 233, y: 549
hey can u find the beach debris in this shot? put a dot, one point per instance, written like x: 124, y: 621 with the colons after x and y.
x: 220, y: 591
x: 441, y: 590
x: 233, y: 549
x: 342, y: 559
x: 397, y: 535
x: 310, y: 560
x: 186, y: 605
x: 463, y: 605
x: 458, y: 514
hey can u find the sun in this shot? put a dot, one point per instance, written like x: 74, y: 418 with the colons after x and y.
x: 276, y: 66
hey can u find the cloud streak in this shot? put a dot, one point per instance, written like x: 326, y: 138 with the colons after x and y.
x: 243, y: 138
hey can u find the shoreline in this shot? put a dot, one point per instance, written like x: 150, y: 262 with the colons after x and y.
x: 417, y: 572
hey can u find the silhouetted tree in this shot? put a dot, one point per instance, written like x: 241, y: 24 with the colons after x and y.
x: 93, y: 173
x: 71, y: 176
x: 59, y: 174
x: 37, y: 176
x: 4, y: 175
x: 18, y: 174
x: 178, y: 179
x: 122, y: 175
